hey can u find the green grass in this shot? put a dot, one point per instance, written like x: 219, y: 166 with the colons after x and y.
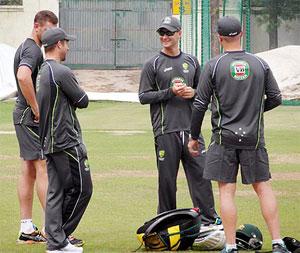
x: 121, y: 152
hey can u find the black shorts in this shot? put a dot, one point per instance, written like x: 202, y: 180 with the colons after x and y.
x: 29, y: 142
x: 222, y: 164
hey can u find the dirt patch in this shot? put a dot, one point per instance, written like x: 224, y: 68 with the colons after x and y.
x: 291, y: 92
x: 290, y: 176
x: 137, y: 157
x: 128, y: 81
x: 8, y: 157
x: 125, y: 173
x: 247, y: 193
x: 121, y: 132
x: 285, y: 158
x: 109, y: 80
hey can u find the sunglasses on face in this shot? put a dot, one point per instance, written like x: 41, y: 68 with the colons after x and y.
x: 165, y: 32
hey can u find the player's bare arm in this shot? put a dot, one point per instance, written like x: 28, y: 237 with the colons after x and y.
x: 26, y: 86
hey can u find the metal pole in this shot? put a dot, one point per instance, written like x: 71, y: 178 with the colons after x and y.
x: 196, y: 28
x: 248, y: 25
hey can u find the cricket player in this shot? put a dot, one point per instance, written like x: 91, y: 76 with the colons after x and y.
x: 70, y: 184
x: 168, y: 82
x: 27, y: 61
x: 240, y: 87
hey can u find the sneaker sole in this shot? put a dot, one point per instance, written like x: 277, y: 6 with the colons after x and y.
x: 78, y: 244
x: 20, y: 242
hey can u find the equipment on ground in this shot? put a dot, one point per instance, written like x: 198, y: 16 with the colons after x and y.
x: 249, y: 237
x: 172, y: 230
x: 292, y: 244
x: 211, y: 237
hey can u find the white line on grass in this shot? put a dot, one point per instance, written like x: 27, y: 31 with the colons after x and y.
x: 7, y: 132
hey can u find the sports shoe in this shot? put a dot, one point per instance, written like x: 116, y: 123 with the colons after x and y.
x: 279, y: 248
x: 218, y: 221
x: 229, y: 250
x: 34, y: 237
x: 217, y: 225
x: 75, y: 241
x: 69, y: 248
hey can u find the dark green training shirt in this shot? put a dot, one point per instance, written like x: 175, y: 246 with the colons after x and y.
x: 58, y: 95
x: 169, y: 113
x: 240, y: 87
x: 28, y: 54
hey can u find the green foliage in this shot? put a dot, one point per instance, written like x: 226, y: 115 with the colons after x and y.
x: 285, y: 10
x: 11, y: 2
x: 121, y: 153
x: 272, y: 13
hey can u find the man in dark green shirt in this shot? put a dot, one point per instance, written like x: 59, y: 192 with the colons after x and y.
x: 240, y: 87
x: 168, y: 82
x: 70, y: 185
x: 28, y: 59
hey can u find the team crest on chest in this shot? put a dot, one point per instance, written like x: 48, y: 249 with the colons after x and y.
x: 185, y: 67
x: 239, y: 70
x: 177, y: 80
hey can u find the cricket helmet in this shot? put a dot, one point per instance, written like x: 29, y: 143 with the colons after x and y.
x: 172, y: 230
x: 249, y: 237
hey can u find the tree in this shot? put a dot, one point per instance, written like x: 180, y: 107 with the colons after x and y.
x: 11, y: 2
x: 272, y: 13
x: 214, y: 12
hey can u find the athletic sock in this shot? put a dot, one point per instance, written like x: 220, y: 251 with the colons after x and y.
x: 26, y: 226
x: 278, y: 241
x: 230, y: 246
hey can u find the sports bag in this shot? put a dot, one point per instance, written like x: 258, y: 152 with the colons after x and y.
x: 172, y: 230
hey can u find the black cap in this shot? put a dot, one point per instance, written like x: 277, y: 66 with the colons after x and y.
x: 170, y: 23
x: 229, y: 26
x: 53, y: 35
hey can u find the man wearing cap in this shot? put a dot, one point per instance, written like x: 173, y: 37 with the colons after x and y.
x: 168, y: 82
x: 240, y: 87
x: 27, y: 61
x: 70, y: 185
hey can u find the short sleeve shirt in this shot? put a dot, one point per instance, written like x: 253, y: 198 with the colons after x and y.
x: 28, y: 54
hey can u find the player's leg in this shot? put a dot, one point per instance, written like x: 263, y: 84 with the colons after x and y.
x: 59, y: 178
x: 25, y: 194
x: 228, y: 210
x: 222, y: 165
x: 200, y: 189
x: 255, y: 170
x: 268, y: 205
x: 30, y: 151
x: 78, y: 188
x: 168, y: 152
x: 41, y: 185
x: 269, y: 209
x: 41, y: 181
x: 56, y: 237
x: 28, y: 232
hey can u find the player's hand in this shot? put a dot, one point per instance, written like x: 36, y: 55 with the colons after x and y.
x: 36, y: 115
x: 193, y: 147
x: 178, y: 88
x: 188, y: 92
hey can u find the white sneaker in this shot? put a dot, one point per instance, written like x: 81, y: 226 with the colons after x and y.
x: 211, y: 227
x: 69, y: 248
